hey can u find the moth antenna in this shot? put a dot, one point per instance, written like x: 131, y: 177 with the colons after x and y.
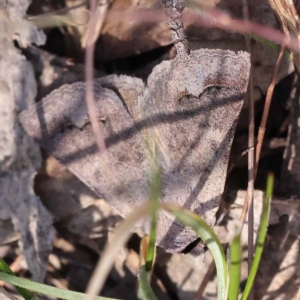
x: 174, y: 10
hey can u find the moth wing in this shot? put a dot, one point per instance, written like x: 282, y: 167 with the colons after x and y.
x: 191, y: 106
x: 60, y: 124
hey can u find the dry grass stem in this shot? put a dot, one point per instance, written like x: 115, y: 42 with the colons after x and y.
x: 99, y: 19
x: 89, y: 77
x: 262, y: 126
x: 211, y: 18
x: 270, y: 91
x: 118, y: 240
x: 210, y: 272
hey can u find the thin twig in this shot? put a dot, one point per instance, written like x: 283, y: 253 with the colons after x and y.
x: 262, y: 127
x: 89, y: 78
x: 209, y: 273
x: 174, y: 9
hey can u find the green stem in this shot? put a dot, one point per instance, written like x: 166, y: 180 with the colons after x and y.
x: 261, y: 237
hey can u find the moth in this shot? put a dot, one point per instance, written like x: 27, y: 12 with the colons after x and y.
x: 190, y: 106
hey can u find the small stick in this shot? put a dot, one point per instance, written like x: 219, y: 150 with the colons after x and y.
x: 174, y: 10
x: 210, y: 272
x: 262, y: 127
x: 89, y: 77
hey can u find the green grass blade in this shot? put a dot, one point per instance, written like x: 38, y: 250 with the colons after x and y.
x: 209, y: 238
x: 155, y: 195
x: 45, y: 22
x: 45, y: 289
x: 270, y: 45
x: 6, y: 269
x: 152, y: 238
x: 261, y: 236
x: 145, y: 291
x: 235, y: 267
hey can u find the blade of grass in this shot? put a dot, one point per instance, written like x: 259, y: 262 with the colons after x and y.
x: 271, y: 45
x: 209, y: 238
x: 145, y: 291
x: 155, y: 195
x: 51, y: 21
x: 185, y: 216
x: 261, y: 236
x: 152, y: 237
x: 45, y: 289
x: 120, y: 237
x: 235, y: 267
x: 6, y: 269
x: 89, y: 79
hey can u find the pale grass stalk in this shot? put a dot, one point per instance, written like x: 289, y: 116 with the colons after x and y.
x: 111, y: 250
x: 262, y: 127
x: 89, y: 78
x: 99, y: 17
